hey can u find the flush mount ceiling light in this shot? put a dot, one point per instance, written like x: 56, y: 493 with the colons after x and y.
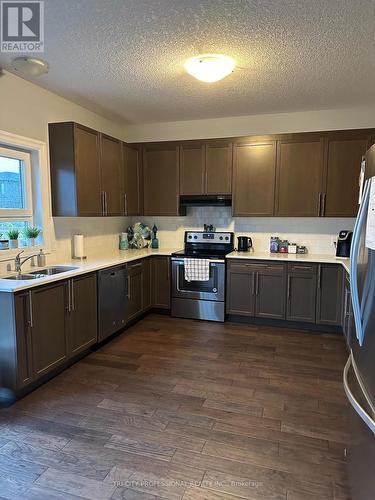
x: 210, y: 67
x: 30, y: 66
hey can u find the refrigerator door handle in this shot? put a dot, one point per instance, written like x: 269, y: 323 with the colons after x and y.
x: 354, y: 252
x: 356, y: 406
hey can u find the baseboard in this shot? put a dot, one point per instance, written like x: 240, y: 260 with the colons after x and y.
x: 295, y: 325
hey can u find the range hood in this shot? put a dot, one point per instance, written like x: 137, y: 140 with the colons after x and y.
x: 200, y: 200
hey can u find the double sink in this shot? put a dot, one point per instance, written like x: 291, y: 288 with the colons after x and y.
x: 42, y: 273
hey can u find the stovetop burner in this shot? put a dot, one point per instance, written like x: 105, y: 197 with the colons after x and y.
x: 203, y: 245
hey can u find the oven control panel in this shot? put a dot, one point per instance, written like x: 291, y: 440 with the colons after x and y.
x: 203, y: 237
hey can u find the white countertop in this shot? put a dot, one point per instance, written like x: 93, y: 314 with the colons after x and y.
x: 289, y: 257
x: 91, y: 264
x: 102, y: 261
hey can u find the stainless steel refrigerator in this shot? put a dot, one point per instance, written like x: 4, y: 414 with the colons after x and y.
x: 359, y: 372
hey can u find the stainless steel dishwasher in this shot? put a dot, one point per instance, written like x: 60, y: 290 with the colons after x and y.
x: 112, y: 300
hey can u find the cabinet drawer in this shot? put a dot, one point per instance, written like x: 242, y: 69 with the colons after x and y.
x: 302, y: 268
x: 256, y: 265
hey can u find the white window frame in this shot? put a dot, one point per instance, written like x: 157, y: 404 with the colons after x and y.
x: 27, y: 212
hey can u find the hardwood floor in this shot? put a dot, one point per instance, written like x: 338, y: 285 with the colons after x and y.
x: 185, y: 409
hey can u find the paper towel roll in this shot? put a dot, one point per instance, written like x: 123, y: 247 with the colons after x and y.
x: 78, y: 246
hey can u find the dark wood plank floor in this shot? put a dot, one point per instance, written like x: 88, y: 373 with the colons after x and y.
x: 185, y: 409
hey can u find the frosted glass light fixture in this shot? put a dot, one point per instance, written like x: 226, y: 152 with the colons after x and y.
x: 210, y: 67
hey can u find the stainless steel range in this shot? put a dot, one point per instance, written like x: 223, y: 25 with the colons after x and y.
x: 201, y: 299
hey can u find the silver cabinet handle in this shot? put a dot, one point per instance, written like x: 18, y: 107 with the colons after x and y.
x: 125, y: 203
x: 102, y: 201
x: 254, y: 278
x: 69, y: 307
x: 319, y: 276
x: 323, y: 204
x: 129, y: 288
x: 257, y: 284
x: 288, y: 290
x: 133, y: 266
x: 320, y: 205
x: 31, y: 316
x: 105, y: 203
x: 356, y: 406
x: 72, y: 304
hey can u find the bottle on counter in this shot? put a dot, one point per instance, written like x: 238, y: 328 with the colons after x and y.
x: 292, y: 248
x: 274, y: 244
x: 41, y: 258
x: 283, y: 248
x: 123, y: 241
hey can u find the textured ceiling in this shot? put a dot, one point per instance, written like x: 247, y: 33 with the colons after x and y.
x: 124, y: 58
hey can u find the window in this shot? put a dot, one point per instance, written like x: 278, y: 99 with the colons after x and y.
x: 16, y: 210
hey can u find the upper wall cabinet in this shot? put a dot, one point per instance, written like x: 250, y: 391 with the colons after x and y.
x: 111, y: 175
x: 344, y: 151
x: 161, y: 179
x: 299, y: 176
x: 85, y: 171
x: 132, y: 177
x: 206, y: 168
x: 254, y: 179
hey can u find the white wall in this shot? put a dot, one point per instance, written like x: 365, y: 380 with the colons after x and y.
x: 26, y: 109
x: 281, y: 123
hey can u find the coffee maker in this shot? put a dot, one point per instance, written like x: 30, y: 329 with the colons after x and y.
x: 244, y: 244
x: 344, y: 242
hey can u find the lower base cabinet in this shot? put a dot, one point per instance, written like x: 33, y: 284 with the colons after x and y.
x: 135, y: 289
x: 161, y: 282
x: 299, y: 292
x: 256, y: 289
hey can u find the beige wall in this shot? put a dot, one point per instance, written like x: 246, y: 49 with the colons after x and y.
x: 26, y: 109
x: 304, y: 121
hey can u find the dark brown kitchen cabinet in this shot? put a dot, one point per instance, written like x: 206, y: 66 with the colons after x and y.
x: 270, y: 286
x: 254, y: 179
x: 206, y: 168
x: 329, y: 295
x: 22, y: 307
x: 146, y: 284
x: 299, y: 176
x: 132, y: 175
x: 192, y: 169
x: 241, y: 289
x: 82, y: 313
x: 256, y: 289
x: 48, y: 317
x: 161, y: 282
x: 111, y: 175
x: 161, y: 179
x: 301, y: 293
x: 219, y: 161
x: 344, y: 152
x: 135, y: 289
x: 75, y: 170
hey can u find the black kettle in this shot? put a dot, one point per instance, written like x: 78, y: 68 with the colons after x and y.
x: 244, y: 244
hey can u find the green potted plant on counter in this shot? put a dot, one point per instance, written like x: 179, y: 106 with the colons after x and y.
x: 13, y: 238
x: 31, y: 233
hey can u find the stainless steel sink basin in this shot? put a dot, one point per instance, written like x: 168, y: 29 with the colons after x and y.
x: 22, y: 277
x: 42, y: 273
x: 50, y: 271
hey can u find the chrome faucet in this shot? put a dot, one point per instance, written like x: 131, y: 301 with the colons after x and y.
x: 18, y: 262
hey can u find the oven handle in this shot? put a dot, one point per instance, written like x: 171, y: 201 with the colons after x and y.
x: 212, y: 261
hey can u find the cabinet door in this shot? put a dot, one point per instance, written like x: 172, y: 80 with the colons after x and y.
x: 192, y: 169
x: 301, y: 293
x: 113, y: 298
x: 135, y: 298
x: 270, y: 290
x: 111, y: 166
x: 49, y: 317
x: 88, y: 175
x: 22, y: 304
x: 299, y: 178
x: 161, y: 282
x: 241, y: 289
x: 132, y: 180
x: 330, y: 294
x: 254, y: 179
x: 161, y: 180
x: 146, y: 284
x: 82, y: 330
x: 218, y: 168
x: 342, y: 174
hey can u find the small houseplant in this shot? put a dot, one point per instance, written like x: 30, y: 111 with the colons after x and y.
x: 13, y: 238
x: 31, y: 233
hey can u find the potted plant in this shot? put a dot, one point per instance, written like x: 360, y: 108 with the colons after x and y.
x: 31, y: 233
x: 13, y: 238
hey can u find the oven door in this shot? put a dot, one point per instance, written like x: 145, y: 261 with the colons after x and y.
x: 213, y: 289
